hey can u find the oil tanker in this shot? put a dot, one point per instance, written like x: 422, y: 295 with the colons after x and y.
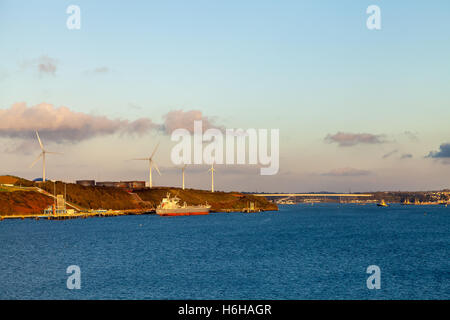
x: 170, y: 206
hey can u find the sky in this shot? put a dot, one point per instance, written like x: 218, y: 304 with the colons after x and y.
x: 357, y: 109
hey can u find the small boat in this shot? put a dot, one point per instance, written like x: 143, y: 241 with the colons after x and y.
x: 382, y: 204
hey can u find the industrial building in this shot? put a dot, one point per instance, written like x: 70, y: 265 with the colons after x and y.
x: 135, y: 184
x: 59, y: 208
x: 86, y: 183
x: 107, y: 184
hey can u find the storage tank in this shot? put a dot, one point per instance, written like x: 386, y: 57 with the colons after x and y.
x: 86, y: 183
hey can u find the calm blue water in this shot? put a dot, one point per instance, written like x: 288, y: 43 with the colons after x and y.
x: 301, y: 252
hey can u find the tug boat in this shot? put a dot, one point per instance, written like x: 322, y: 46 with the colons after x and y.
x: 170, y: 206
x: 382, y: 204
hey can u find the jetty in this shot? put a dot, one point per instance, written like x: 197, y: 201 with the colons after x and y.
x: 79, y: 215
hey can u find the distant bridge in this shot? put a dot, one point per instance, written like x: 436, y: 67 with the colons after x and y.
x: 312, y: 195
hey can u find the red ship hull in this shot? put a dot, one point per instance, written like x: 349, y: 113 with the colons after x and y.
x: 173, y: 214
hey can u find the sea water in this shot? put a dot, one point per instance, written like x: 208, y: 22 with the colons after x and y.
x: 300, y: 252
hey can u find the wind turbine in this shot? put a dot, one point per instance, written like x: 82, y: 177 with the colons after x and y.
x: 43, y: 153
x: 151, y: 164
x: 182, y: 173
x: 212, y: 176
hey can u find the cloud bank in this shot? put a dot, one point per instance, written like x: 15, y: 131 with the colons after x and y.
x: 62, y: 124
x: 345, y: 139
x: 444, y: 152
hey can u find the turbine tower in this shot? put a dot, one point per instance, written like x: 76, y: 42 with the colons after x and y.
x: 212, y: 177
x: 182, y: 173
x: 43, y: 153
x: 151, y: 164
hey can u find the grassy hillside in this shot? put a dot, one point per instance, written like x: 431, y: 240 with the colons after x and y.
x: 23, y: 202
x: 93, y: 197
x: 16, y: 181
x: 219, y: 201
x: 8, y: 179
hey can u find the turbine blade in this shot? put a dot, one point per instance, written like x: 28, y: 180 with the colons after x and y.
x: 154, y: 151
x: 40, y: 142
x: 156, y: 167
x: 34, y: 162
x: 141, y: 159
x: 53, y: 152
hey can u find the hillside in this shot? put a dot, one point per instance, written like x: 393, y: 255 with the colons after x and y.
x: 16, y: 200
x: 16, y: 181
x: 8, y: 180
x: 22, y: 202
x: 94, y: 197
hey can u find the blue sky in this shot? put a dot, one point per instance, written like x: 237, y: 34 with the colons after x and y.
x: 310, y: 68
